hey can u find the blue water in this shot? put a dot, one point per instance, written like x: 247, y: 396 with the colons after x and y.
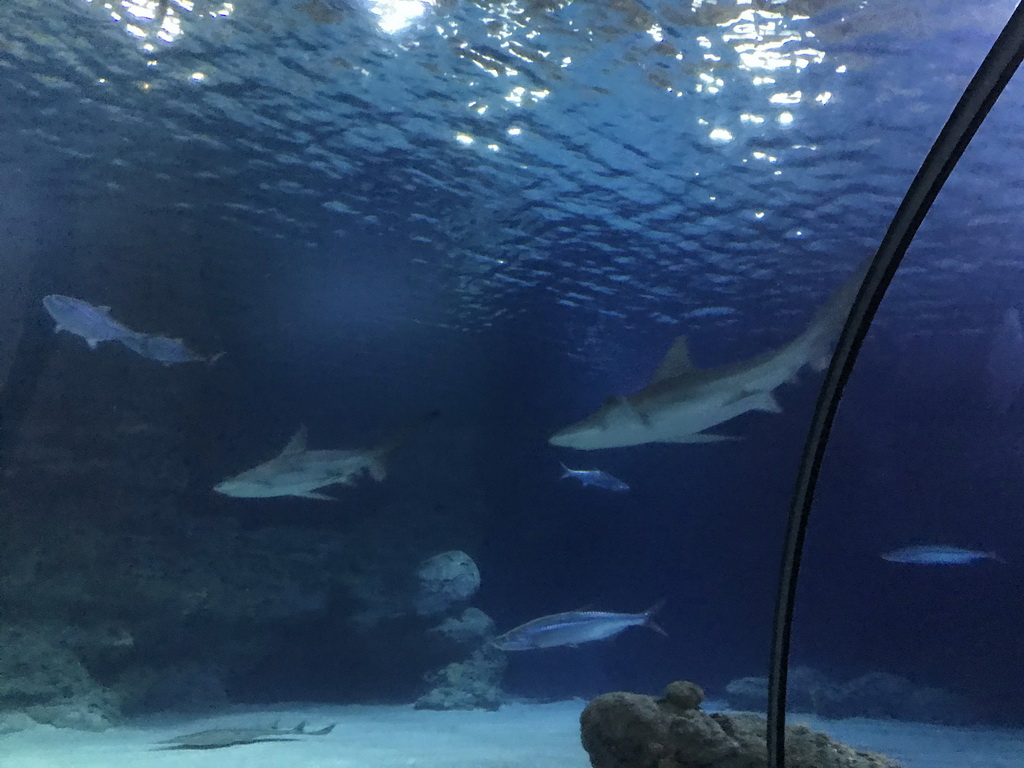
x: 501, y: 216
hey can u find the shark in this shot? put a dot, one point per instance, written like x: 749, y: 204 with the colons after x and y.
x: 682, y: 401
x: 218, y: 738
x: 298, y: 471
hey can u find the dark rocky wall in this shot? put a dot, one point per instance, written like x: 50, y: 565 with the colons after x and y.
x: 126, y: 584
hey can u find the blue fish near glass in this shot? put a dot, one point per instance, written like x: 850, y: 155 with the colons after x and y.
x: 166, y: 350
x: 938, y: 554
x: 90, y: 322
x: 94, y: 324
x: 574, y: 628
x: 596, y: 478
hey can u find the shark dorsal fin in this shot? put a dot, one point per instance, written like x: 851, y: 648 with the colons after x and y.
x: 297, y: 444
x: 676, y: 361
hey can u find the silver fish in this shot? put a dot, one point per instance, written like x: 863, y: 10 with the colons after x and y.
x: 596, y: 478
x: 92, y: 323
x: 573, y: 628
x: 938, y: 554
x: 165, y: 350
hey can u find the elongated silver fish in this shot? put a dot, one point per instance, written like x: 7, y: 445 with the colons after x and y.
x: 574, y: 628
x: 92, y: 323
x: 938, y: 554
x: 165, y: 350
x: 596, y: 478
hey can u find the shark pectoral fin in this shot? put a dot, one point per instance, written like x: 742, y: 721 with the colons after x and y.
x: 676, y: 362
x: 314, y: 495
x: 297, y: 444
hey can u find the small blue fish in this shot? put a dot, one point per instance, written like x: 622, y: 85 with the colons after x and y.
x: 573, y: 628
x: 596, y: 478
x: 165, y: 350
x: 938, y: 554
x: 92, y: 323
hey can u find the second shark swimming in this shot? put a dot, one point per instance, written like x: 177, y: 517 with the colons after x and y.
x: 298, y: 471
x: 682, y: 401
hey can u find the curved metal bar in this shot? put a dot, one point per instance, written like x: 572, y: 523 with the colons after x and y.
x: 986, y: 86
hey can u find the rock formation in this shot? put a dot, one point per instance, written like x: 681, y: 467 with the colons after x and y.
x: 626, y: 730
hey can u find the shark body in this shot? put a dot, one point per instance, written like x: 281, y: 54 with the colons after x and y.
x: 297, y: 471
x: 682, y: 401
x: 218, y: 738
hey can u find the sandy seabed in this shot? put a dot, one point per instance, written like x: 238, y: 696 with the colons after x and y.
x: 516, y: 736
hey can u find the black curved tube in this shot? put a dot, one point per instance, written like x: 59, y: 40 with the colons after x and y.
x: 992, y: 76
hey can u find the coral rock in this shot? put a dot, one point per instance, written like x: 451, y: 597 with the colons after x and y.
x: 626, y: 730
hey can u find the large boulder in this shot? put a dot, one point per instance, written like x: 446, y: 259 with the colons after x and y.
x: 626, y: 730
x: 876, y: 694
x: 807, y: 690
x: 471, y: 627
x: 445, y: 581
x: 47, y: 681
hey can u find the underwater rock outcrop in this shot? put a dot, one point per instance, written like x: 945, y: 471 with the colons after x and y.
x: 475, y: 681
x: 445, y: 581
x: 47, y: 681
x: 628, y: 730
x: 472, y: 626
x: 471, y: 684
x: 876, y: 694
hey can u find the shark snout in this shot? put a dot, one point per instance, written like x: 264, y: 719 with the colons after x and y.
x: 227, y: 488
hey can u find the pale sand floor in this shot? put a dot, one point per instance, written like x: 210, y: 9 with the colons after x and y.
x: 517, y: 736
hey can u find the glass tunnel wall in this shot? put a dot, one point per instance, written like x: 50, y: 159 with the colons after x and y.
x: 908, y: 605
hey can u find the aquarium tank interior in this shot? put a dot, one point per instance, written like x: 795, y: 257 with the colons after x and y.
x: 511, y: 383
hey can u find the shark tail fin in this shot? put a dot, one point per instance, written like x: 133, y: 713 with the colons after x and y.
x: 828, y: 321
x: 321, y: 731
x: 648, y: 617
x: 377, y: 469
x: 566, y: 472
